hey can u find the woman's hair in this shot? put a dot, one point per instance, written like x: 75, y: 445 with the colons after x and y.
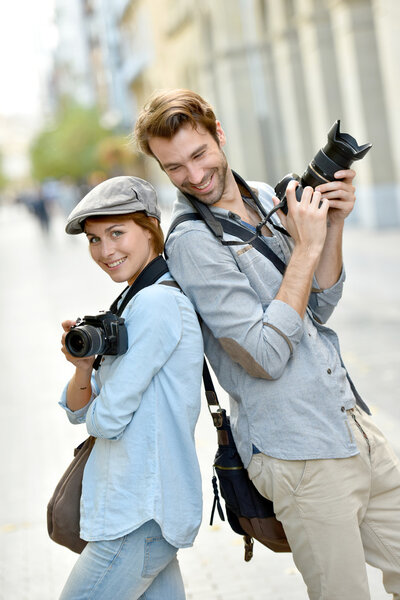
x: 167, y: 111
x: 145, y: 222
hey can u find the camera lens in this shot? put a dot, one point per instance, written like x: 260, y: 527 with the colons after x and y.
x: 339, y: 153
x: 85, y: 340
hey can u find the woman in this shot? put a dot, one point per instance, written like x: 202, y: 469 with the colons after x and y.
x: 141, y: 493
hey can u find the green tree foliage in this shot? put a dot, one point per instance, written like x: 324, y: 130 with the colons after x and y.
x: 70, y: 146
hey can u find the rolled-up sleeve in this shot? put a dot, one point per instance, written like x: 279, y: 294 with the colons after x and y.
x: 261, y: 341
x: 77, y: 417
x: 324, y: 302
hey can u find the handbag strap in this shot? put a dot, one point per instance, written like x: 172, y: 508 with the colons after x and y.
x: 211, y: 394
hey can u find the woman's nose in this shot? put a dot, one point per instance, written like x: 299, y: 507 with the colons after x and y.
x: 107, y: 248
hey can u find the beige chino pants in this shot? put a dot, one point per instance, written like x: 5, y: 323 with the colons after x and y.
x: 339, y: 513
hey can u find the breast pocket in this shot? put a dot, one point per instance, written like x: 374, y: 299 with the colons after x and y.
x: 263, y: 276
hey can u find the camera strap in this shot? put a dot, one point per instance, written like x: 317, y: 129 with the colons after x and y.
x: 237, y: 230
x: 150, y: 274
x: 220, y: 225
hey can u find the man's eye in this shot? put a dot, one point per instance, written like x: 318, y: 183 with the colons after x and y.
x: 200, y: 155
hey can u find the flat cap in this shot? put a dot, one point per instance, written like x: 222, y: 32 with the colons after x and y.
x: 115, y: 196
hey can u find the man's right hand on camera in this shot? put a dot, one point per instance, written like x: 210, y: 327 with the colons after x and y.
x: 306, y: 222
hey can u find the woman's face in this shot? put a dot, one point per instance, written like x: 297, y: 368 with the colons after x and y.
x: 121, y: 248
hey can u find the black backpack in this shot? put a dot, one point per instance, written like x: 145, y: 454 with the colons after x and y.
x: 249, y: 514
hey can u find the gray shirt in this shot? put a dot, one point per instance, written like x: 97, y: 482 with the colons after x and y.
x: 288, y: 389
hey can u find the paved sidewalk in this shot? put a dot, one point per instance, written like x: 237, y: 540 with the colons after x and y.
x: 47, y: 279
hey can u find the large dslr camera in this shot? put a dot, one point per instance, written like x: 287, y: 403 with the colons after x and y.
x: 339, y: 153
x: 104, y: 333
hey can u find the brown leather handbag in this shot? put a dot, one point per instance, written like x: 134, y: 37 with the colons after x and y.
x: 63, y: 510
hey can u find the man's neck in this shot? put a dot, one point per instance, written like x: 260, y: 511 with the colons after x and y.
x: 233, y: 201
x: 231, y: 198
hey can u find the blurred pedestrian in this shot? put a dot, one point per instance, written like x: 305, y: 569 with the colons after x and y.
x: 141, y: 494
x: 38, y: 206
x: 302, y: 430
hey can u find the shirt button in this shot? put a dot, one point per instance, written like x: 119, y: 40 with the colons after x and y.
x: 329, y: 371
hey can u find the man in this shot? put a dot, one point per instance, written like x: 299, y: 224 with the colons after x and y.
x: 295, y: 414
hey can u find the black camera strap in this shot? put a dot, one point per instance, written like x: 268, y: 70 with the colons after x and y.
x: 212, y: 221
x: 150, y: 274
x: 220, y: 225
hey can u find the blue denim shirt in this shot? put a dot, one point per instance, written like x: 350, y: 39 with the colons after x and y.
x: 143, y: 412
x: 288, y: 389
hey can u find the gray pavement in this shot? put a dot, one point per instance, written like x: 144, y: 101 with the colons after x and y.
x: 47, y: 279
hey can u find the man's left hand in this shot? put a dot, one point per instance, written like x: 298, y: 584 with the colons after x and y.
x: 340, y: 194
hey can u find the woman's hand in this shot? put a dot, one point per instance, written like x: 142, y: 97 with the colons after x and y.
x: 79, y: 388
x: 83, y: 364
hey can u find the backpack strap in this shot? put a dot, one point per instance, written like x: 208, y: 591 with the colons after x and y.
x: 227, y: 226
x: 211, y: 394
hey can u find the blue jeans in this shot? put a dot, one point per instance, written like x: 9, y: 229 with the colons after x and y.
x: 139, y: 566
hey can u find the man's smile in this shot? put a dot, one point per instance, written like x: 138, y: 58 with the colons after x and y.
x: 204, y: 185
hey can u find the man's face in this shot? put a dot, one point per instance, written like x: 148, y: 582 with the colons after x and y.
x: 194, y: 162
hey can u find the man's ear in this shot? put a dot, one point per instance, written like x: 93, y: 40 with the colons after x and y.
x: 220, y: 134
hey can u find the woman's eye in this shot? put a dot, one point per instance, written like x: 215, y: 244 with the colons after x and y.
x: 93, y: 240
x: 116, y: 233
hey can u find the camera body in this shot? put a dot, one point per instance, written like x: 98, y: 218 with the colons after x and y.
x: 339, y: 153
x: 104, y: 333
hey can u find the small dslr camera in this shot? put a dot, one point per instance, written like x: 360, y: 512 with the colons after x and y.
x: 104, y: 333
x: 339, y: 153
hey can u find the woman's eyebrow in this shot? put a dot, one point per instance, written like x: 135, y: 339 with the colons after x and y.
x: 106, y: 230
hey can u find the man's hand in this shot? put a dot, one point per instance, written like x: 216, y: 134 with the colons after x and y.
x: 306, y: 220
x: 340, y: 195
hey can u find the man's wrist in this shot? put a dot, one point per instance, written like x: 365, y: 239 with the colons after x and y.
x: 308, y: 254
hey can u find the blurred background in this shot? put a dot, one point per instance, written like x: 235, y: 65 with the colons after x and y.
x: 279, y: 73
x: 74, y: 74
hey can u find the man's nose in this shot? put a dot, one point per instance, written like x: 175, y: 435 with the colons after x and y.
x: 195, y: 174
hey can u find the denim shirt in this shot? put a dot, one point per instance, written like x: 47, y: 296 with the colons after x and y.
x: 288, y: 389
x: 143, y: 412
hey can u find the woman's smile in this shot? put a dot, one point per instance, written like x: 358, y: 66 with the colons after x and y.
x: 115, y: 263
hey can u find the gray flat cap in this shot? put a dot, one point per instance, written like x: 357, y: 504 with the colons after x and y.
x: 115, y: 196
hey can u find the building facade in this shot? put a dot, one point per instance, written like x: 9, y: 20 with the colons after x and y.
x: 279, y: 73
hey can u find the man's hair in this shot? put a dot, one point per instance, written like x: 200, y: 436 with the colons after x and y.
x: 167, y: 111
x: 145, y: 222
